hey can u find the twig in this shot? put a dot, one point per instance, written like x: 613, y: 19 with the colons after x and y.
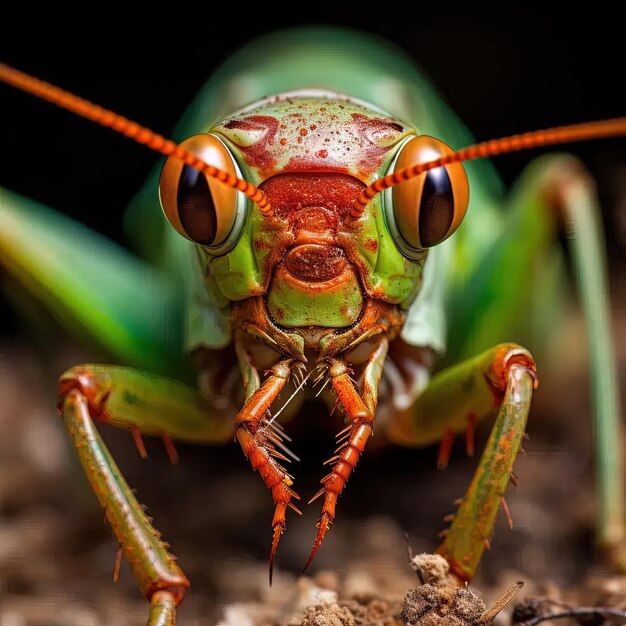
x: 489, y: 615
x: 588, y: 611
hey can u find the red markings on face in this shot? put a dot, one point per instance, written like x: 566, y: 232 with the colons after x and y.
x: 371, y: 245
x: 290, y: 194
x: 316, y: 263
x: 260, y: 132
x: 377, y: 136
x: 261, y: 245
x: 377, y: 129
x: 358, y: 148
x: 300, y: 135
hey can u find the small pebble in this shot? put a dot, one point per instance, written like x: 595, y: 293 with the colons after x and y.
x: 328, y: 616
x: 431, y: 567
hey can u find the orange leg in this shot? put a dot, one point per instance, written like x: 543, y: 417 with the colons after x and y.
x: 351, y: 441
x: 258, y: 439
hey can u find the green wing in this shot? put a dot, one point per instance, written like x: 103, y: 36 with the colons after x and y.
x: 91, y: 285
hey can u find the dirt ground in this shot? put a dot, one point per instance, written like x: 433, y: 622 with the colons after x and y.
x: 57, y: 555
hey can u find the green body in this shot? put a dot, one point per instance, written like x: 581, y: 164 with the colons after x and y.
x: 493, y: 281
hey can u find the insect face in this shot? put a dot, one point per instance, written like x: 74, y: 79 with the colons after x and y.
x: 315, y: 264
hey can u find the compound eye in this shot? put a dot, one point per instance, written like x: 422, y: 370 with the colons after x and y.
x: 199, y: 207
x: 428, y: 208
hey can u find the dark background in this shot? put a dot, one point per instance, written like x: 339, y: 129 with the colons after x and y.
x: 501, y: 76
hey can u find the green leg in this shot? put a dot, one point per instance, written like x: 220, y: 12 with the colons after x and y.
x: 90, y: 285
x: 501, y: 378
x: 152, y: 405
x: 516, y: 275
x: 162, y: 609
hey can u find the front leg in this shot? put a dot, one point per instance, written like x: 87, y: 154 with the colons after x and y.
x: 501, y: 379
x: 516, y: 282
x: 142, y: 403
x: 258, y: 438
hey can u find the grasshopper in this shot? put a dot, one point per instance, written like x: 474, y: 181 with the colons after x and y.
x: 306, y: 239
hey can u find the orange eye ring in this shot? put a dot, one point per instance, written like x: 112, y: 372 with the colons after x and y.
x: 199, y: 207
x: 426, y: 210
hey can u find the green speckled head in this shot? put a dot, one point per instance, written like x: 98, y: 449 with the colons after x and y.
x: 382, y: 83
x: 312, y: 153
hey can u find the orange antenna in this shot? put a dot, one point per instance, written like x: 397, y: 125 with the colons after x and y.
x: 130, y: 129
x: 515, y: 143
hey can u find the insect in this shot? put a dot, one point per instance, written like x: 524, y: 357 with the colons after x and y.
x: 307, y: 248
